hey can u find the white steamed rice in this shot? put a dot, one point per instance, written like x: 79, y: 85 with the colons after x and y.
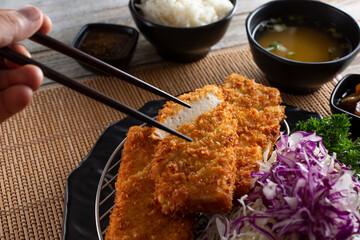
x: 185, y: 13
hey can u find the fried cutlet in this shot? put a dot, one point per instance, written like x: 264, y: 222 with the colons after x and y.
x: 137, y: 152
x: 246, y: 93
x: 260, y: 127
x: 246, y: 162
x: 257, y: 132
x: 135, y: 215
x: 257, y: 110
x: 198, y: 176
x: 202, y: 100
x: 231, y: 128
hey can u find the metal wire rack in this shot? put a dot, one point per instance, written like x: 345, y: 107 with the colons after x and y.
x: 106, y: 191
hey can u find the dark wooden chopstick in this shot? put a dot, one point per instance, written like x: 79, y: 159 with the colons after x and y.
x: 99, y: 65
x: 20, y: 59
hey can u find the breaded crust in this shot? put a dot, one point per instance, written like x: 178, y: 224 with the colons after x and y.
x: 135, y: 215
x: 257, y: 132
x: 198, y: 176
x: 243, y: 92
x: 163, y: 178
x: 259, y: 127
x: 171, y: 108
x: 202, y: 100
x: 246, y: 162
x: 137, y: 152
x: 257, y: 110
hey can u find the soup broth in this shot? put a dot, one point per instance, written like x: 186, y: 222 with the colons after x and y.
x: 301, y: 40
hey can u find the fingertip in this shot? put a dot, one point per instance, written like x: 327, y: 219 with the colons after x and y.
x: 47, y: 25
x: 35, y: 76
x: 25, y: 95
x: 15, y: 99
x: 29, y: 75
x: 21, y: 49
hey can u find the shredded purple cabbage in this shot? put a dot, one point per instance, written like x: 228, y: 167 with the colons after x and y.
x: 306, y: 193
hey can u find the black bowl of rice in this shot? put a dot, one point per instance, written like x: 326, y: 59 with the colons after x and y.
x: 182, y: 30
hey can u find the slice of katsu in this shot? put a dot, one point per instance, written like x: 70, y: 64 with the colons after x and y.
x: 257, y: 133
x: 201, y: 100
x: 261, y: 127
x: 246, y: 93
x: 135, y: 215
x: 197, y: 176
x: 246, y: 162
x: 258, y: 112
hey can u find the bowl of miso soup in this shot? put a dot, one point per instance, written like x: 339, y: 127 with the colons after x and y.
x: 301, y: 44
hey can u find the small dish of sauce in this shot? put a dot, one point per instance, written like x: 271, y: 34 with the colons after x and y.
x: 111, y: 43
x: 345, y: 99
x: 301, y: 39
x: 351, y: 102
x: 105, y: 43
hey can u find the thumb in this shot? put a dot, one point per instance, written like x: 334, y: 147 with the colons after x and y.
x: 19, y: 25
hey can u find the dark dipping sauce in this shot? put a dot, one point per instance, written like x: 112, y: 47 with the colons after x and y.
x: 105, y: 43
x: 302, y: 39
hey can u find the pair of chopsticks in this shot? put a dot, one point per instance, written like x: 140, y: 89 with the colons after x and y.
x: 58, y: 46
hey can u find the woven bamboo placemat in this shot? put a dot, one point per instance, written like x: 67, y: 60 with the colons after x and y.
x: 41, y: 146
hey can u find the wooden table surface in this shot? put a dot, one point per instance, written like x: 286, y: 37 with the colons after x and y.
x: 68, y: 16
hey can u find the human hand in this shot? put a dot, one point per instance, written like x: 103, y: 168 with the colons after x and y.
x: 17, y: 83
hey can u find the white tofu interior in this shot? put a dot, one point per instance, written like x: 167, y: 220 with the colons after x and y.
x: 203, y: 105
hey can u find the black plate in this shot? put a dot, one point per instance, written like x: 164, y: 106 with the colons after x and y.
x: 81, y: 185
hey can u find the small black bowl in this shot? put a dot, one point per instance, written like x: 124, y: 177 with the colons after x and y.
x: 111, y: 43
x: 301, y: 77
x: 181, y: 44
x: 345, y: 87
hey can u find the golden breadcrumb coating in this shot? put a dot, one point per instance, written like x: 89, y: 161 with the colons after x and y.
x: 137, y: 152
x: 259, y: 127
x: 164, y: 179
x: 244, y: 92
x: 202, y: 100
x: 135, y: 215
x: 257, y: 132
x: 257, y: 110
x: 247, y: 162
x: 171, y: 108
x: 198, y: 176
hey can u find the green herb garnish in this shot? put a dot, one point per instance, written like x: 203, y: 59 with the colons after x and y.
x: 335, y: 134
x: 273, y: 46
x: 276, y: 46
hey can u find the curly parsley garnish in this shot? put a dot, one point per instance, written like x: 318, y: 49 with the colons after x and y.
x: 335, y: 134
